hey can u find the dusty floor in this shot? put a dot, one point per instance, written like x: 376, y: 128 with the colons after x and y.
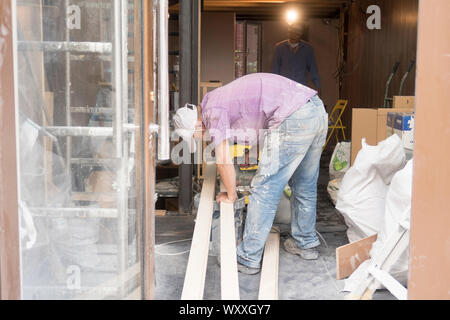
x: 298, y: 279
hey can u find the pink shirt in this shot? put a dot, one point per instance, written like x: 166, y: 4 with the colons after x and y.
x: 251, y: 103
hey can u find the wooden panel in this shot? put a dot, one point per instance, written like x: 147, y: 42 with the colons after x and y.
x: 371, y: 54
x: 149, y: 154
x: 9, y: 224
x: 194, y: 281
x: 350, y: 256
x: 268, y: 286
x: 429, y: 276
x: 228, y: 262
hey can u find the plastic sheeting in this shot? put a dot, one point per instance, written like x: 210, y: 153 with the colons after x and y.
x: 77, y: 194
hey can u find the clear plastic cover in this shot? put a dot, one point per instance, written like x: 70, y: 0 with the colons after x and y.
x: 78, y: 132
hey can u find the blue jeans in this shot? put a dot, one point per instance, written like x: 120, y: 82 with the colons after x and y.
x: 291, y: 154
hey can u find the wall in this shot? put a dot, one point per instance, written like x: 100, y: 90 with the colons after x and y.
x: 9, y: 224
x: 429, y: 276
x: 371, y: 54
x: 217, y: 46
x: 325, y: 41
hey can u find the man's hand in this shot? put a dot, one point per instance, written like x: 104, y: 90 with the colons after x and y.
x: 223, y: 197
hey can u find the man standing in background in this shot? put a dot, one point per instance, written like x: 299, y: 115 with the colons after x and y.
x: 294, y: 58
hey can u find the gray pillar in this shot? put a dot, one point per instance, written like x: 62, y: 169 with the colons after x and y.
x: 185, y: 172
x: 195, y: 50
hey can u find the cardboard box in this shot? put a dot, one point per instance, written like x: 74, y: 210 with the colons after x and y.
x: 364, y: 125
x: 370, y: 123
x: 403, y: 102
x: 402, y: 124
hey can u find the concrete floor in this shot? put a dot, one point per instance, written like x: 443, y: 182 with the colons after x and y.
x: 298, y: 279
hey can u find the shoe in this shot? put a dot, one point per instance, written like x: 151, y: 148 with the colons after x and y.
x: 307, y: 254
x: 242, y: 268
x: 247, y: 270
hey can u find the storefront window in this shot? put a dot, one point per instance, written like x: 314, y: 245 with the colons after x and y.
x: 78, y: 120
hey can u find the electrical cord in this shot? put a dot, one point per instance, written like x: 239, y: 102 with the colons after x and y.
x: 172, y: 242
x: 323, y: 239
x: 184, y: 240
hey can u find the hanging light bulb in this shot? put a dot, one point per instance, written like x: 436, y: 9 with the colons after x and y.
x: 291, y: 16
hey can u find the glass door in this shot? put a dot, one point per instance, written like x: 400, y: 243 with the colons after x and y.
x: 247, y: 48
x: 253, y: 44
x: 78, y: 127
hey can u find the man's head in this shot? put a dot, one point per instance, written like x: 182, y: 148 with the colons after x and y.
x: 188, y: 124
x: 295, y: 32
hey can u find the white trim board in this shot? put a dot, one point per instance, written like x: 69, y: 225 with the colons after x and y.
x: 194, y: 281
x: 268, y: 286
x: 228, y: 262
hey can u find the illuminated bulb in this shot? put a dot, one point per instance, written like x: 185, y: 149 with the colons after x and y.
x: 291, y: 16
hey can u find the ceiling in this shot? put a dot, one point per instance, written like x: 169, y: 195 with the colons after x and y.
x: 270, y: 9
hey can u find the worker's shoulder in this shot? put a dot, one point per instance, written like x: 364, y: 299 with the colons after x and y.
x: 281, y: 43
x: 306, y: 44
x: 286, y: 43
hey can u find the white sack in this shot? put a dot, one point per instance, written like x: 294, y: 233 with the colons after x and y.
x: 397, y: 215
x: 362, y: 194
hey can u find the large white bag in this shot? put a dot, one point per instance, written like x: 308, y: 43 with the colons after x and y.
x: 397, y: 215
x: 362, y: 194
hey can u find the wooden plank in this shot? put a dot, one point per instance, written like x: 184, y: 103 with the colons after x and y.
x: 350, y: 256
x: 9, y: 223
x: 392, y: 249
x: 228, y: 261
x: 268, y: 286
x: 194, y: 281
x: 390, y: 283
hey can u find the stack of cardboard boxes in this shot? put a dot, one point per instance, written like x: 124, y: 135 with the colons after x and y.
x: 376, y: 125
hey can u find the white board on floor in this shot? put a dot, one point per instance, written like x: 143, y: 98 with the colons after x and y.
x: 194, y: 281
x: 228, y: 261
x: 268, y: 286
